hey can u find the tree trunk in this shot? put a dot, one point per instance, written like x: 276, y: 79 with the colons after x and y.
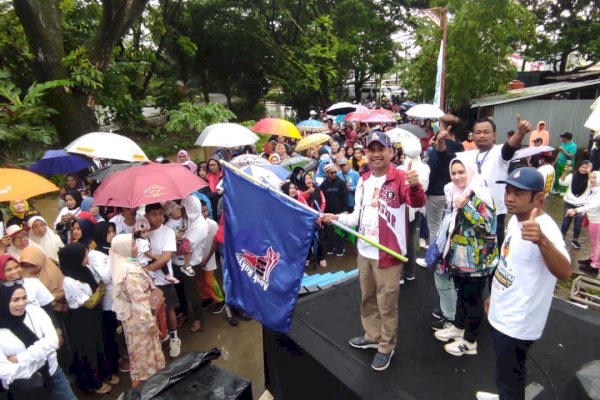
x: 42, y: 26
x: 324, y: 89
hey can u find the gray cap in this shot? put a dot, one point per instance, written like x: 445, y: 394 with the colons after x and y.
x: 342, y: 161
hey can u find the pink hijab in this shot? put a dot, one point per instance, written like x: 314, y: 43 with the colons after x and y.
x: 187, y: 162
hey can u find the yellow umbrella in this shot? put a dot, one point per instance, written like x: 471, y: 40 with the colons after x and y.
x: 312, y: 140
x: 20, y: 184
x: 277, y: 126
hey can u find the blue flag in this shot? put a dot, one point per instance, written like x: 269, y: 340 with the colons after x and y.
x: 267, y: 238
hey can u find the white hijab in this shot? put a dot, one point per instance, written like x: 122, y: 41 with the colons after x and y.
x: 121, y: 264
x: 50, y: 242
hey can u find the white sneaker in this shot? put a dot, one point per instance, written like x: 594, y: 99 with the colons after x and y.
x: 449, y: 333
x: 188, y: 270
x: 174, y: 347
x: 460, y: 347
x: 487, y: 396
x: 421, y: 262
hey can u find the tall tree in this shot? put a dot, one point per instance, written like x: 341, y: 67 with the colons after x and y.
x: 42, y: 24
x: 481, y: 36
x: 568, y: 33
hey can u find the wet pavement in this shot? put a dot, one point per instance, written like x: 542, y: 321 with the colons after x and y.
x: 241, y: 346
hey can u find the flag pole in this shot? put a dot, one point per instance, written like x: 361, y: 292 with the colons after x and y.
x: 313, y: 211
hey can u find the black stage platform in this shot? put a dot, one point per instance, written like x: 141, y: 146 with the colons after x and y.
x: 315, y: 361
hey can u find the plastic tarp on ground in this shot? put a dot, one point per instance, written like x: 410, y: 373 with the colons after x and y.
x: 192, y: 376
x: 589, y: 377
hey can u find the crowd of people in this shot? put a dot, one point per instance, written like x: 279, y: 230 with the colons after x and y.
x: 68, y: 287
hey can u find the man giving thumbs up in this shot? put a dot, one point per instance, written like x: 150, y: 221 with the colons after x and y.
x: 532, y: 256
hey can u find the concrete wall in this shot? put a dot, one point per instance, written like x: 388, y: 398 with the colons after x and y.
x: 560, y: 116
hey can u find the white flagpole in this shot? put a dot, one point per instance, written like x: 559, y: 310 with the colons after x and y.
x: 313, y: 211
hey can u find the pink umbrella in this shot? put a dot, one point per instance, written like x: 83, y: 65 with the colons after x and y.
x: 357, y: 116
x: 380, y: 119
x: 383, y: 111
x: 147, y: 184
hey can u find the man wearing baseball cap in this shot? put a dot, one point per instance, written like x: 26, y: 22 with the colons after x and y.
x: 380, y: 212
x: 532, y: 257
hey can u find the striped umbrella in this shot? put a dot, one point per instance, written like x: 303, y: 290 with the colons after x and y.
x: 311, y: 125
x: 277, y: 126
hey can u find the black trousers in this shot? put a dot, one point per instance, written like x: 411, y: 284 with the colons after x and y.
x: 500, y: 225
x: 511, y: 355
x: 469, y: 305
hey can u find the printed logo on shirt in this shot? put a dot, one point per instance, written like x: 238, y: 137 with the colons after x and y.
x: 503, y: 278
x: 258, y: 268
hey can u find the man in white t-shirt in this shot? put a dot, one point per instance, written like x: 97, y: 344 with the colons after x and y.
x: 125, y: 220
x: 532, y: 257
x: 163, y: 244
x: 547, y: 170
x: 492, y: 160
x: 380, y: 212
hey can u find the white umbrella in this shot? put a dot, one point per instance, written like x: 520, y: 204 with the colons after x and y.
x: 341, y: 108
x: 425, y: 111
x: 107, y: 145
x: 593, y: 122
x: 248, y: 159
x: 226, y: 135
x: 397, y: 135
x: 531, y: 150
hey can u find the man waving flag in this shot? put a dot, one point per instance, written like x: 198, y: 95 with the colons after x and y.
x: 267, y: 238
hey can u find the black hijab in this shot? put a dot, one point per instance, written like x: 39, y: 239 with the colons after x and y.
x: 87, y: 231
x: 293, y: 177
x: 100, y: 234
x: 71, y: 264
x: 314, y: 196
x: 580, y: 182
x: 77, y: 196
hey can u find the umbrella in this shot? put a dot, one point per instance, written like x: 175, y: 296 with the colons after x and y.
x: 408, y: 104
x: 103, y: 173
x: 531, y: 150
x: 20, y: 184
x: 146, y: 184
x: 60, y: 162
x: 264, y: 175
x: 312, y: 125
x: 312, y: 140
x: 226, y: 134
x: 357, y: 116
x: 277, y: 126
x: 414, y: 129
x: 397, y: 135
x: 380, y: 119
x: 306, y: 163
x: 425, y: 111
x: 341, y: 108
x: 339, y: 118
x: 278, y: 170
x: 248, y: 159
x: 107, y: 145
x: 593, y: 121
x: 384, y: 111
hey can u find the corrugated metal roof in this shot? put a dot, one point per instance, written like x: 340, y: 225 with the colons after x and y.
x: 530, y: 92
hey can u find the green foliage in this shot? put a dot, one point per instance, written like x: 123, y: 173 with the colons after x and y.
x: 84, y: 76
x: 26, y: 118
x: 481, y: 36
x: 193, y: 117
x: 14, y: 56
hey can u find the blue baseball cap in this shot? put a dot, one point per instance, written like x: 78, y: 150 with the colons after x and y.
x: 379, y: 136
x: 526, y: 178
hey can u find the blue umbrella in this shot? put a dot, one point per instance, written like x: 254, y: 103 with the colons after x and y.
x: 340, y: 118
x: 270, y: 172
x: 60, y: 162
x: 311, y: 125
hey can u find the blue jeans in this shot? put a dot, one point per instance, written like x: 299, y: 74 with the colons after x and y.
x: 511, y: 355
x: 445, y: 288
x: 61, y: 389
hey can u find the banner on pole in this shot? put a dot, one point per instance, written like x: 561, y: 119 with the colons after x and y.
x: 438, y: 78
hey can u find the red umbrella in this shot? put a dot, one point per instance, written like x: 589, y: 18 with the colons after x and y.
x: 357, y: 116
x: 380, y: 119
x: 147, y: 184
x: 383, y: 111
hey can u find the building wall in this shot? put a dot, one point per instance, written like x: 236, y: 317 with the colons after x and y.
x: 560, y: 116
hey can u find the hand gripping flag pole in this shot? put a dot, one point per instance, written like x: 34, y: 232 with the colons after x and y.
x: 336, y: 223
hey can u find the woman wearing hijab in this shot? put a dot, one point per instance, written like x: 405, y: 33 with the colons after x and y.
x: 19, y: 240
x: 131, y: 292
x: 577, y: 194
x: 184, y: 158
x: 214, y: 176
x: 39, y: 234
x: 21, y: 212
x: 87, y: 206
x: 28, y: 343
x: 291, y: 190
x: 470, y: 254
x: 62, y: 224
x: 73, y: 183
x: 315, y: 198
x: 82, y: 231
x: 103, y: 234
x: 35, y: 264
x: 83, y: 324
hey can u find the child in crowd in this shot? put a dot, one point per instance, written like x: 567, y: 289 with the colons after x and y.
x: 144, y: 256
x: 179, y: 224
